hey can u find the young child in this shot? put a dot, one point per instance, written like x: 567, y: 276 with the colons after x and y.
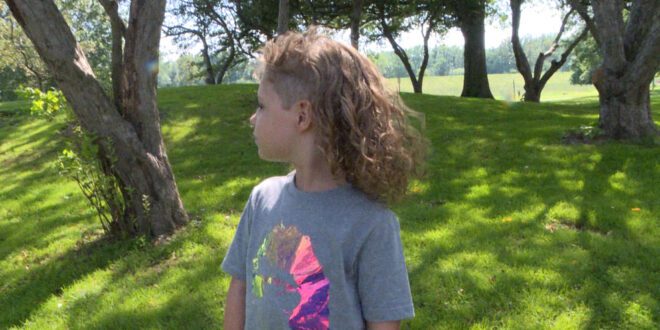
x: 318, y: 248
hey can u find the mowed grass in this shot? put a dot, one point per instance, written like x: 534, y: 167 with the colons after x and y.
x: 504, y: 86
x: 509, y: 229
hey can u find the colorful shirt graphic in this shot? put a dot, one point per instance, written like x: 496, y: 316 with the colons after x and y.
x: 287, y: 249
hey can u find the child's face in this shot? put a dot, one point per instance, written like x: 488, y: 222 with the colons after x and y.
x: 274, y: 126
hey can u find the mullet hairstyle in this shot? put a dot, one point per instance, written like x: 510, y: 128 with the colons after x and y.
x: 361, y: 127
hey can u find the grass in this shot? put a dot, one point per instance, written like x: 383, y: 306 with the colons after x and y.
x: 510, y: 228
x: 502, y: 86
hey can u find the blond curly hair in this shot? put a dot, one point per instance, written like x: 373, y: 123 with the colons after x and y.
x: 362, y: 128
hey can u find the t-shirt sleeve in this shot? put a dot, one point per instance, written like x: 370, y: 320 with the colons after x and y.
x: 235, y: 260
x: 382, y: 276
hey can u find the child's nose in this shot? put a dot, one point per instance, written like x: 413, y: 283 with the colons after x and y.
x: 253, y: 118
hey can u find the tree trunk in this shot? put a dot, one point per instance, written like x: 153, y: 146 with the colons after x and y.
x: 532, y: 92
x: 210, y: 75
x: 535, y: 82
x: 356, y: 17
x: 630, y: 60
x: 283, y: 17
x: 475, y: 77
x: 624, y: 115
x: 142, y: 166
x: 226, y: 65
x: 401, y: 53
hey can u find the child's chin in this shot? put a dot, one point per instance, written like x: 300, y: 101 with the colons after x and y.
x: 270, y: 158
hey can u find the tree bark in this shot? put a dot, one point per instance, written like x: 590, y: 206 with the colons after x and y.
x: 627, y: 116
x: 356, y: 17
x: 630, y: 60
x: 142, y: 166
x: 283, y: 17
x: 475, y: 77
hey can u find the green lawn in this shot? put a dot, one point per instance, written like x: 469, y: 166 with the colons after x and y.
x: 510, y: 228
x: 502, y: 86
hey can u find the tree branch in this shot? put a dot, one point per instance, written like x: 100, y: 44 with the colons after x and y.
x: 110, y: 7
x: 584, y: 14
x: 555, y: 43
x: 118, y: 34
x: 141, y: 71
x: 647, y: 62
x: 555, y: 65
x: 640, y: 21
x: 521, y: 59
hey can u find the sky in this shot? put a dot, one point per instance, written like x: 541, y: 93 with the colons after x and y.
x: 536, y: 20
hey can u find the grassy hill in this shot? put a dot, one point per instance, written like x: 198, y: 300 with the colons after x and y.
x: 510, y: 228
x: 502, y: 86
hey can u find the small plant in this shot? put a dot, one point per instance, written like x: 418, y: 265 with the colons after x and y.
x: 45, y: 104
x: 81, y: 163
x: 584, y: 134
x: 590, y: 132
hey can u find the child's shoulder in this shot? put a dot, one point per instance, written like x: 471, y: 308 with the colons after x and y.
x: 271, y: 185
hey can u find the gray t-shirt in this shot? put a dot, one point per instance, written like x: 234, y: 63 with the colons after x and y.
x: 318, y: 260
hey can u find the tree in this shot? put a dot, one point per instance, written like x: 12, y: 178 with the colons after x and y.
x: 283, y: 17
x: 18, y: 56
x: 19, y: 61
x: 469, y: 16
x: 535, y: 81
x: 127, y: 130
x: 213, y: 23
x: 391, y: 18
x: 356, y: 18
x: 630, y: 49
x: 444, y: 59
x: 193, y: 21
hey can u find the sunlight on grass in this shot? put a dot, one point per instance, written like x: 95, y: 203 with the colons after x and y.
x: 509, y: 229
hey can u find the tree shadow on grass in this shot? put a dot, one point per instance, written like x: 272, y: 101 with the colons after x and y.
x: 49, y: 279
x: 579, y: 254
x: 159, y: 286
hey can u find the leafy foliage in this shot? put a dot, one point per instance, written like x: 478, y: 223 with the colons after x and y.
x: 46, y: 104
x: 586, y: 60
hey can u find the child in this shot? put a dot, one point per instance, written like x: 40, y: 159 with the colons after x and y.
x: 318, y: 248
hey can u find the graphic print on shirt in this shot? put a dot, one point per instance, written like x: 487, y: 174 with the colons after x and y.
x: 292, y: 252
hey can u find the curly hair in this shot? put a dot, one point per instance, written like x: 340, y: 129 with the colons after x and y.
x: 362, y: 128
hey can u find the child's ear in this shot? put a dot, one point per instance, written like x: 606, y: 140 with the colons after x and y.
x: 304, y: 115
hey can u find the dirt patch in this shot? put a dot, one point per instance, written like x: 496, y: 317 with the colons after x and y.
x: 579, y: 137
x: 565, y: 224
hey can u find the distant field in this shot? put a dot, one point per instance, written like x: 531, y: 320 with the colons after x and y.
x: 502, y: 86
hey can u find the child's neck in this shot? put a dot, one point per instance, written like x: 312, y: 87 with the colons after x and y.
x: 316, y: 176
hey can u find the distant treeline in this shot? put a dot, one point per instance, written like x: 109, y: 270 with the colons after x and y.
x: 443, y: 60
